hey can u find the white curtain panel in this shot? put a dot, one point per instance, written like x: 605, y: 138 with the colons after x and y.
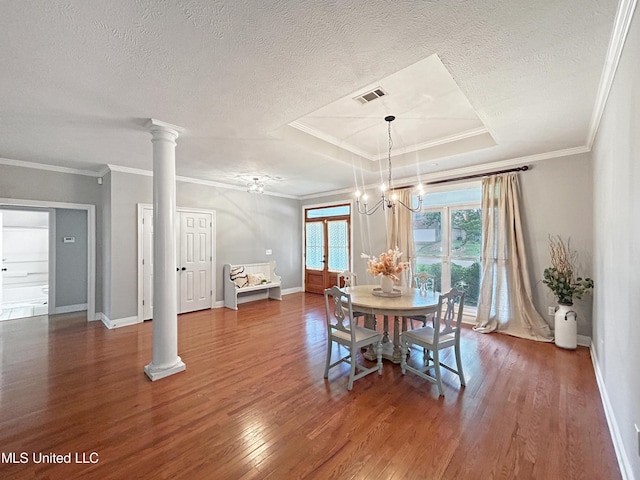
x: 400, y: 233
x: 505, y: 303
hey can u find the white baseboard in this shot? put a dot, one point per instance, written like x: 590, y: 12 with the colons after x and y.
x: 621, y: 454
x: 80, y: 307
x: 118, y: 322
x: 584, y: 340
x: 289, y: 291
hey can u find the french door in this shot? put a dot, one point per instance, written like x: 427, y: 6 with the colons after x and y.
x: 327, y: 246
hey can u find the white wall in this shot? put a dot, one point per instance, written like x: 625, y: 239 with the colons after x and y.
x: 616, y: 328
x: 25, y: 252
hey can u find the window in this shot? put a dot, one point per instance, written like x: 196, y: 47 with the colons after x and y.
x: 448, y: 240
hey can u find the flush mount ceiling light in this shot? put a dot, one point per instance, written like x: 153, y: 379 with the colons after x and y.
x: 389, y: 197
x: 256, y: 186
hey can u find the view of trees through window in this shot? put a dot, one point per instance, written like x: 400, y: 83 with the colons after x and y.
x: 448, y: 242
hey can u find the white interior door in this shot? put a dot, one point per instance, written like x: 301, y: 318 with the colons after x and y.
x: 195, y: 261
x: 194, y: 237
x: 147, y: 264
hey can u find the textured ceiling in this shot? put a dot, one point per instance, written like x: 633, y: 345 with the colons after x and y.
x: 79, y: 79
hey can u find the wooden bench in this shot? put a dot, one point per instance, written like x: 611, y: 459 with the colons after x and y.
x: 245, y: 279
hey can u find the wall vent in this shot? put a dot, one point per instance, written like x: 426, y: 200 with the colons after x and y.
x: 370, y: 96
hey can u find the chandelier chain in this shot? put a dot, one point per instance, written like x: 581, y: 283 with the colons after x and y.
x: 389, y: 200
x: 389, y: 155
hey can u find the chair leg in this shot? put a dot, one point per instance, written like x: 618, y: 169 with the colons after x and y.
x: 459, y: 365
x: 379, y: 352
x: 352, y: 370
x: 328, y: 362
x: 436, y: 364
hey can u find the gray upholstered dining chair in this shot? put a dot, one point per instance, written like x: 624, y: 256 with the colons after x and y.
x: 341, y: 329
x: 445, y: 333
x: 349, y: 279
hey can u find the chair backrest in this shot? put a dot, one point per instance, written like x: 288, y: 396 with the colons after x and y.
x: 423, y: 278
x: 339, y: 311
x: 348, y: 279
x: 449, y: 314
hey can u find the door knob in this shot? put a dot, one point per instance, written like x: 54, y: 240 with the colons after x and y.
x: 4, y: 269
x: 184, y: 268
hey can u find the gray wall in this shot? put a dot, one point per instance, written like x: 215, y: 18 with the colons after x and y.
x: 71, y: 258
x: 127, y: 191
x: 32, y: 184
x: 246, y: 226
x: 616, y: 329
x: 556, y: 199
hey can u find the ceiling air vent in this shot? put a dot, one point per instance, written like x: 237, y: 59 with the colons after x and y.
x: 370, y: 96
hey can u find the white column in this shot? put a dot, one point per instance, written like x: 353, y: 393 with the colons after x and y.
x: 165, y: 359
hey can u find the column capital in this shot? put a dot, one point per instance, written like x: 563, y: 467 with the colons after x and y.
x: 157, y: 126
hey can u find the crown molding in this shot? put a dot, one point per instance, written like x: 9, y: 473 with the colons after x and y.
x: 197, y: 181
x: 50, y: 168
x: 463, y: 171
x: 133, y: 171
x: 621, y: 25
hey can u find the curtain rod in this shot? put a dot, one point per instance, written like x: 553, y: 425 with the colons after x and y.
x: 477, y: 175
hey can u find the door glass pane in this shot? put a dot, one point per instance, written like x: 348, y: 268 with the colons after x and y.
x: 427, y: 235
x: 315, y: 245
x: 338, y: 245
x: 466, y: 235
x: 340, y: 210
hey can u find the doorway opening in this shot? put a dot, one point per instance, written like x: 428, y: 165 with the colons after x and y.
x: 327, y: 247
x: 24, y: 263
x: 71, y: 254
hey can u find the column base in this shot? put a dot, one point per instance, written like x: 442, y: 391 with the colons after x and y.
x: 155, y: 373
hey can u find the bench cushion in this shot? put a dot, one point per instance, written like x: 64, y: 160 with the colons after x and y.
x: 256, y: 279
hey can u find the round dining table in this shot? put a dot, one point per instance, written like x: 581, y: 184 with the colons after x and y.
x: 406, y: 302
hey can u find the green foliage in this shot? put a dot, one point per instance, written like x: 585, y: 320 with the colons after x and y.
x: 470, y: 221
x: 426, y: 220
x: 462, y: 278
x: 564, y: 287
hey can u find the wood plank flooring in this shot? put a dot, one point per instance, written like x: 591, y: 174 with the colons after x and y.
x: 252, y: 404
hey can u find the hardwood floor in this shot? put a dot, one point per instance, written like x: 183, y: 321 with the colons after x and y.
x: 252, y: 404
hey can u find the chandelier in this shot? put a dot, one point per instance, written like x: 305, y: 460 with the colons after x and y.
x: 389, y: 197
x: 255, y: 186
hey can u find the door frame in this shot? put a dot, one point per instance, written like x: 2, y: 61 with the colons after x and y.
x: 91, y: 247
x: 304, y: 233
x: 148, y: 206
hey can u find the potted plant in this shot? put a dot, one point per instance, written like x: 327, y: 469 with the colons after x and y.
x: 561, y: 280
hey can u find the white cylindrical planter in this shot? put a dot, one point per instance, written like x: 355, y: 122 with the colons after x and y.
x: 386, y: 284
x: 566, y: 327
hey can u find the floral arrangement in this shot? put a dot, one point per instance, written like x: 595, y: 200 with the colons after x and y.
x: 386, y: 264
x: 559, y: 277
